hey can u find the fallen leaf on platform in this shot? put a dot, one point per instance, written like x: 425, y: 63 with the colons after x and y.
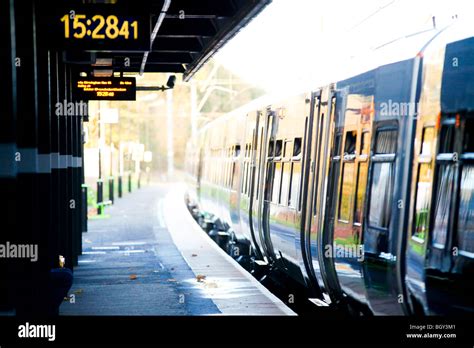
x: 200, y: 277
x: 133, y: 276
x: 194, y: 255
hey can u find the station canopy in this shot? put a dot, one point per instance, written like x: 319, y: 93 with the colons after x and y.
x: 137, y: 36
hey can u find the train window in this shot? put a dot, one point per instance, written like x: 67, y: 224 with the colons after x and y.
x: 381, y: 194
x: 345, y: 196
x: 360, y: 190
x: 285, y: 183
x: 447, y: 134
x: 267, y: 192
x: 350, y: 145
x: 468, y: 143
x: 337, y: 145
x: 232, y: 175
x: 297, y: 147
x: 287, y: 151
x: 278, y: 148
x: 381, y: 190
x: 249, y: 178
x: 466, y: 210
x: 422, y: 201
x: 285, y: 148
x: 271, y: 148
x: 295, y: 184
x: 386, y: 142
x: 277, y: 183
x: 237, y: 151
x: 443, y: 204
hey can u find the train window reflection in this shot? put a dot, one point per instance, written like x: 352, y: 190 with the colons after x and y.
x: 271, y: 148
x: 443, y: 204
x: 466, y: 210
x: 422, y: 201
x: 295, y: 184
x: 277, y: 183
x: 278, y: 148
x: 468, y: 143
x: 386, y: 142
x: 381, y: 194
x: 447, y: 134
x: 345, y: 197
x: 285, y: 183
x: 297, y: 147
x: 350, y: 145
x: 360, y: 191
x: 337, y: 145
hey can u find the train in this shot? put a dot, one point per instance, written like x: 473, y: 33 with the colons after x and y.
x: 361, y: 190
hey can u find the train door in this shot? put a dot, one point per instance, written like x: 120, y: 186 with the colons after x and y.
x: 449, y: 268
x: 308, y: 245
x: 324, y: 199
x: 254, y: 132
x: 271, y: 148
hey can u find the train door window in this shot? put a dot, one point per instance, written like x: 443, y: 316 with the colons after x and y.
x: 360, y: 191
x: 348, y: 177
x: 277, y: 183
x: 337, y: 146
x: 295, y: 184
x: 362, y: 173
x: 350, y: 144
x: 268, y: 189
x: 381, y: 190
x: 237, y: 151
x: 278, y: 148
x: 445, y: 183
x: 465, y: 231
x: 423, y: 185
x: 258, y: 163
x: 297, y: 147
x: 285, y: 183
x: 465, y: 227
x: 443, y: 204
x: 345, y: 196
x: 271, y: 149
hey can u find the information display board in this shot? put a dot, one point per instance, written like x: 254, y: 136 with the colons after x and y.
x: 105, y: 88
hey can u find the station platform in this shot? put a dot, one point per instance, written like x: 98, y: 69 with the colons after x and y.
x: 150, y: 257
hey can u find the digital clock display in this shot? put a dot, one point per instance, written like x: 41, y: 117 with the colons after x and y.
x: 111, y: 88
x: 100, y: 28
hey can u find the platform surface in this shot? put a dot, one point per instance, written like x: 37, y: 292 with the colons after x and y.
x: 151, y: 258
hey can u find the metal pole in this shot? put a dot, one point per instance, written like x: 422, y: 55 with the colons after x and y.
x: 99, y: 181
x: 169, y: 122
